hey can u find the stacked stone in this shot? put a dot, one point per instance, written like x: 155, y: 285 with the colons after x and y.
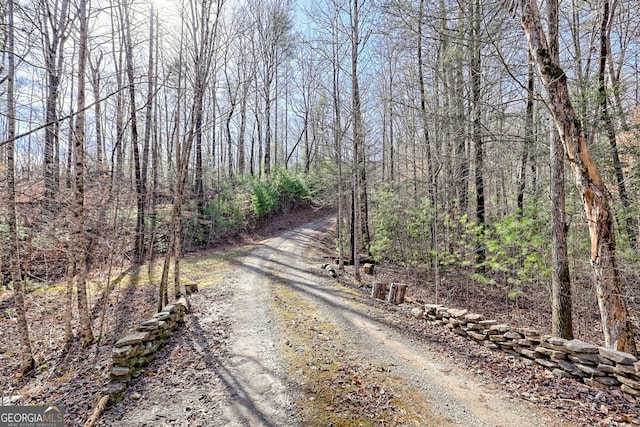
x: 133, y: 352
x: 596, y: 366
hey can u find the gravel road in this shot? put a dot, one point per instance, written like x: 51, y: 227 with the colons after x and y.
x: 225, y: 368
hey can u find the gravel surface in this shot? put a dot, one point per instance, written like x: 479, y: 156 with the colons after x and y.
x: 226, y: 368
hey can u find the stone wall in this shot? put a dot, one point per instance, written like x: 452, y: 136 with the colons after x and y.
x: 595, y: 366
x: 133, y: 352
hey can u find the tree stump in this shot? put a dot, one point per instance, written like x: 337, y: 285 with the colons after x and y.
x: 190, y: 288
x: 368, y: 268
x: 397, y: 292
x: 379, y: 291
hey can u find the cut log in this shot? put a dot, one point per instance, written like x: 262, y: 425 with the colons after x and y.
x: 379, y: 291
x: 397, y: 292
x: 368, y: 268
x: 190, y: 288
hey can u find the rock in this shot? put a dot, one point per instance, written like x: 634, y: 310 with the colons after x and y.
x: 432, y: 308
x: 120, y: 371
x: 124, y: 352
x: 169, y: 308
x: 577, y: 346
x: 547, y: 363
x: 457, y: 313
x: 590, y: 370
x: 115, y: 390
x: 570, y: 368
x: 628, y: 370
x: 629, y: 390
x: 610, y: 381
x: 560, y: 342
x: 418, y: 312
x: 135, y: 338
x: 476, y: 336
x: 497, y: 338
x: 162, y: 316
x: 500, y: 328
x: 473, y: 317
x: 148, y: 325
x: 617, y: 356
x: 491, y: 345
x: 586, y: 358
x: 553, y: 354
x: 513, y: 336
x: 531, y: 354
x: 607, y: 369
x: 528, y: 332
x: 629, y: 382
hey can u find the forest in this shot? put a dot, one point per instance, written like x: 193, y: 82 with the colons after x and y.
x: 486, y: 142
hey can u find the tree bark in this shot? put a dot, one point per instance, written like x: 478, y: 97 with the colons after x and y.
x: 139, y: 180
x: 80, y: 243
x: 617, y: 328
x: 27, y: 363
x: 363, y: 239
x: 605, y: 33
x: 476, y: 81
x: 54, y: 54
x: 561, y: 305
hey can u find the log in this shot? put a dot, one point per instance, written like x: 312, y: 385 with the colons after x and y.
x: 100, y: 407
x: 397, y: 291
x: 330, y: 270
x: 379, y: 290
x: 368, y: 268
x: 190, y: 288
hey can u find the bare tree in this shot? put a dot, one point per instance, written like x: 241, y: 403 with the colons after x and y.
x: 561, y: 305
x: 78, y: 209
x: 617, y: 327
x: 26, y: 354
x: 54, y: 22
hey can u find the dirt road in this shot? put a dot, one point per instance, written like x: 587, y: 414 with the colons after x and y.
x: 278, y: 343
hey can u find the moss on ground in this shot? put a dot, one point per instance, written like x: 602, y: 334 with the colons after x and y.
x: 336, y: 385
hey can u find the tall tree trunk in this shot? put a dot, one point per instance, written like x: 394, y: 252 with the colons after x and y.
x: 423, y: 112
x: 561, y: 305
x: 363, y: 237
x: 528, y: 139
x: 337, y: 136
x: 605, y: 34
x: 476, y: 82
x: 80, y: 243
x: 95, y: 84
x: 27, y: 363
x: 617, y: 327
x: 149, y: 122
x: 243, y: 128
x: 140, y: 190
x: 54, y: 50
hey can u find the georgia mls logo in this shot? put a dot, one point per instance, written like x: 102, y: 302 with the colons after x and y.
x: 31, y: 416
